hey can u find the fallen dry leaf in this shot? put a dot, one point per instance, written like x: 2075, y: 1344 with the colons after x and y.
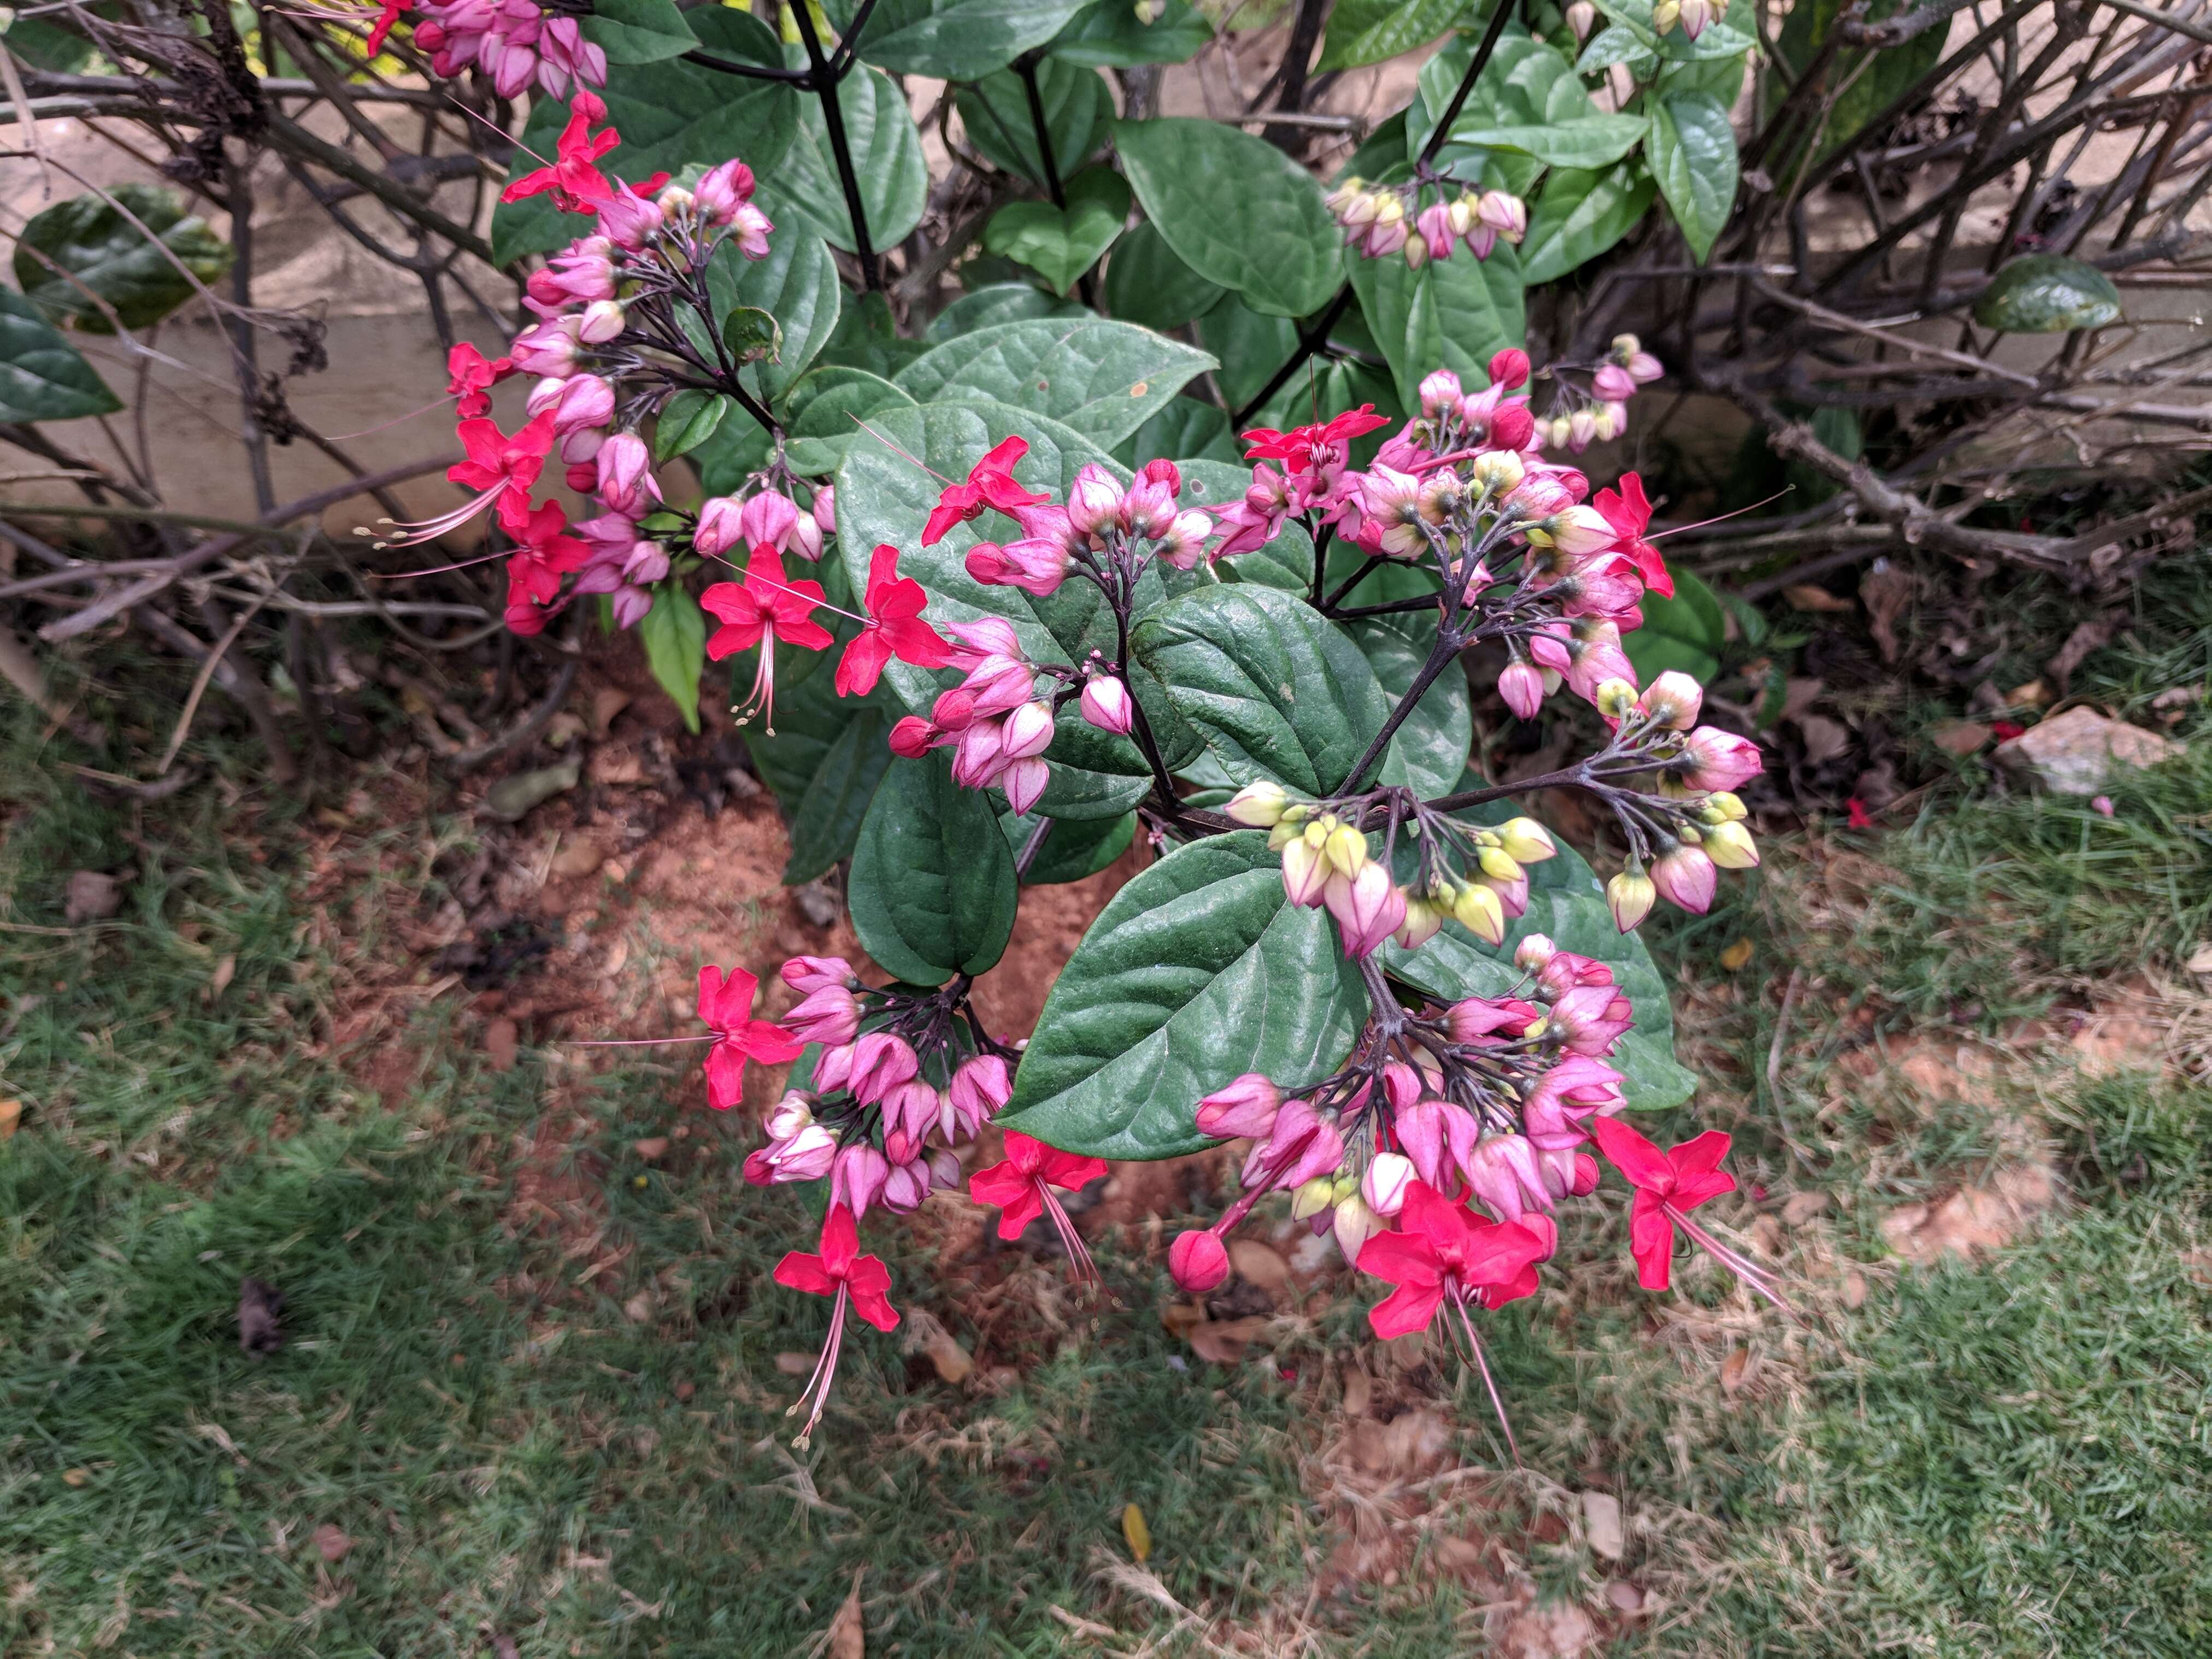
x: 2033, y: 695
x: 1601, y: 1524
x: 2199, y: 1264
x: 225, y: 969
x: 953, y: 1362
x: 1138, y: 1535
x: 848, y: 1637
x: 651, y: 1148
x: 1624, y: 1597
x: 11, y: 1117
x: 1358, y: 1393
x: 2200, y: 960
x: 1735, y: 1369
x: 1800, y: 1207
x: 607, y: 703
x: 1886, y: 591
x: 1182, y: 1318
x: 331, y: 1539
x: 795, y: 1364
x: 1825, y: 738
x: 1561, y: 1630
x: 502, y: 1044
x: 1959, y: 738
x: 639, y: 1309
x: 1261, y: 1264
x: 578, y: 856
x: 1973, y: 1218
x: 503, y: 1647
x: 91, y: 895
x: 1736, y: 955
x: 1223, y: 1341
x: 1812, y: 597
x: 1854, y: 1290
x: 1405, y: 1443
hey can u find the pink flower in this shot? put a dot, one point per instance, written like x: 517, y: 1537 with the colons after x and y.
x: 573, y: 181
x: 838, y: 1269
x: 1503, y: 1173
x: 1685, y: 878
x: 1556, y: 1112
x: 1717, y: 760
x: 1592, y: 1018
x: 726, y: 1005
x: 1035, y: 565
x: 806, y: 1154
x: 1093, y: 499
x: 501, y: 469
x: 759, y: 612
x: 1021, y: 1189
x: 1369, y: 908
x: 1245, y: 1107
x: 857, y: 1177
x: 979, y: 1089
x: 830, y: 1016
x: 1628, y: 512
x: 1509, y: 368
x: 1301, y: 1146
x: 1669, y: 1186
x: 807, y: 975
x: 1436, y: 1134
x: 470, y: 376
x: 1442, y: 1250
x: 1521, y: 686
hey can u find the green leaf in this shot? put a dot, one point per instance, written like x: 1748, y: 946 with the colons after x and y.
x: 1525, y: 85
x: 1275, y: 691
x: 884, y: 496
x: 1453, y: 313
x: 999, y: 302
x: 1863, y: 82
x: 1197, y: 971
x: 1594, y: 141
x: 638, y: 31
x: 797, y: 284
x: 826, y: 825
x: 823, y: 413
x: 674, y: 635
x: 1686, y: 632
x: 995, y: 113
x: 1072, y: 849
x: 737, y: 451
x: 887, y: 163
x: 1692, y: 155
x: 1430, y: 749
x: 688, y: 420
x: 1236, y: 210
x: 1146, y: 282
x: 1060, y: 245
x: 2044, y: 294
x: 671, y: 114
x: 750, y: 333
x: 932, y: 888
x: 46, y: 45
x: 1618, y: 44
x: 1099, y: 378
x: 953, y: 39
x: 1566, y: 902
x: 867, y: 338
x: 1580, y: 215
x: 101, y: 249
x: 1182, y: 429
x: 1109, y: 34
x: 1363, y: 32
x: 42, y: 376
x: 1251, y: 347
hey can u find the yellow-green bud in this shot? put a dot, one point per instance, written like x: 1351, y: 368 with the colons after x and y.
x: 1283, y: 834
x: 1526, y: 839
x: 1500, y: 470
x: 1630, y: 896
x: 1347, y: 849
x: 1260, y: 805
x: 1730, y: 847
x: 1312, y: 1198
x: 1477, y: 909
x: 1615, y: 699
x: 1730, y: 807
x: 1316, y: 831
x: 1498, y: 864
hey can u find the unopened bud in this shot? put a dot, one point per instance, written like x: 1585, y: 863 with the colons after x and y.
x: 1533, y: 952
x: 1630, y: 896
x: 1498, y: 864
x: 1260, y: 805
x: 1198, y: 1261
x: 1315, y: 1196
x: 1526, y: 840
x: 1723, y: 806
x: 1346, y: 849
x: 1729, y: 845
x: 1500, y: 470
x: 1582, y: 18
x: 1477, y: 909
x: 1615, y: 699
x: 1384, y: 1185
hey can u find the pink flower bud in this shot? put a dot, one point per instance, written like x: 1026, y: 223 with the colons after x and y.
x: 1305, y: 873
x: 807, y: 975
x: 1184, y: 542
x: 724, y: 190
x: 907, y: 1185
x: 1612, y: 382
x: 912, y: 1108
x: 1511, y: 427
x: 1198, y: 1260
x: 625, y: 478
x: 1509, y: 368
x: 1301, y: 1146
x: 1440, y: 389
x: 1506, y: 214
x: 979, y: 757
x: 881, y: 1061
x: 1402, y: 1085
x: 1672, y: 699
x: 601, y: 322
x: 788, y: 1115
x: 825, y: 510
x: 1523, y: 688
x: 1433, y: 227
x: 1433, y: 1132
x: 1147, y: 509
x: 1502, y: 1174
x: 1685, y: 878
x: 1385, y: 1184
x: 549, y: 349
x: 911, y: 736
x: 1716, y: 759
x: 807, y: 1154
x: 645, y: 563
x: 1556, y: 1112
x: 1246, y: 1108
x: 856, y: 1179
x: 1106, y: 704
x: 832, y: 1015
x: 630, y: 221
x: 1093, y: 499
x: 996, y: 686
x: 1164, y: 472
x: 833, y: 1069
x: 1369, y: 908
x: 1028, y: 731
x: 1024, y: 783
x: 1533, y: 952
x: 979, y: 1089
x: 1035, y: 566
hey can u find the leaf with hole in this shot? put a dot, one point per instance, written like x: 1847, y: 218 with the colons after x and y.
x: 932, y: 890
x: 1197, y: 971
x: 1060, y: 243
x: 1236, y: 210
x: 1100, y: 377
x: 92, y: 243
x: 750, y: 333
x: 797, y: 284
x: 42, y: 376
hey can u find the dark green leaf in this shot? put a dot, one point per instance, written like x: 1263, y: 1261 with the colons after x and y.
x: 688, y: 420
x: 1430, y: 748
x: 674, y: 635
x: 999, y: 302
x: 1453, y: 313
x: 1275, y: 691
x: 2044, y: 293
x: 98, y: 247
x: 638, y: 31
x: 1109, y: 34
x: 1251, y: 347
x: 1866, y: 81
x: 867, y: 338
x: 995, y: 113
x: 1581, y: 215
x: 1593, y: 141
x: 1526, y: 85
x: 750, y: 333
x: 42, y: 376
x: 826, y: 825
x: 1184, y: 429
x: 671, y: 114
x: 738, y: 449
x: 887, y: 164
x: 1685, y: 632
x: 1196, y: 972
x: 953, y: 39
x: 1566, y: 902
x: 1146, y: 282
x: 1618, y: 44
x: 1236, y: 210
x: 932, y: 888
x: 1072, y: 849
x: 1100, y: 377
x: 46, y: 45
x: 797, y: 284
x: 1061, y: 244
x: 1368, y: 31
x: 1692, y: 155
x: 823, y: 413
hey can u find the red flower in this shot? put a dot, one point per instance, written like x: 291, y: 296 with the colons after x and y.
x: 502, y: 468
x: 385, y: 19
x: 469, y: 374
x: 1440, y: 1249
x: 990, y: 484
x: 1629, y: 512
x: 840, y: 1271
x: 895, y: 628
x: 2005, y: 731
x: 1303, y: 446
x: 1669, y: 1186
x: 1860, y: 818
x: 726, y: 1007
x: 1019, y: 1187
x: 764, y: 606
x: 547, y: 552
x: 575, y: 182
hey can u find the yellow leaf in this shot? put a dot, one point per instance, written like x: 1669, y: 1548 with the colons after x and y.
x: 1139, y: 1535
x: 1736, y: 955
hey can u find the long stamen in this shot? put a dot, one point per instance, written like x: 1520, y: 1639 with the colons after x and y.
x: 435, y: 570
x: 339, y: 437
x: 1754, y: 1276
x: 1079, y: 1254
x: 895, y: 450
x: 825, y: 1374
x: 634, y: 1042
x: 769, y: 581
x: 762, y: 699
x: 1482, y: 1365
x: 431, y: 529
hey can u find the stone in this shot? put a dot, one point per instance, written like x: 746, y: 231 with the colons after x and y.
x: 2079, y: 751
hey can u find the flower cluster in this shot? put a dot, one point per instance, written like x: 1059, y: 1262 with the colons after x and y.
x: 516, y: 44
x: 1379, y: 220
x: 1599, y: 413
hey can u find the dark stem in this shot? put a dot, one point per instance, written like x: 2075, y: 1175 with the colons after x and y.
x: 1025, y: 66
x: 1031, y: 847
x: 1298, y: 58
x: 824, y: 85
x: 1328, y: 606
x: 721, y: 65
x: 1140, y: 728
x: 1441, y: 655
x: 1309, y: 343
x: 1490, y: 36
